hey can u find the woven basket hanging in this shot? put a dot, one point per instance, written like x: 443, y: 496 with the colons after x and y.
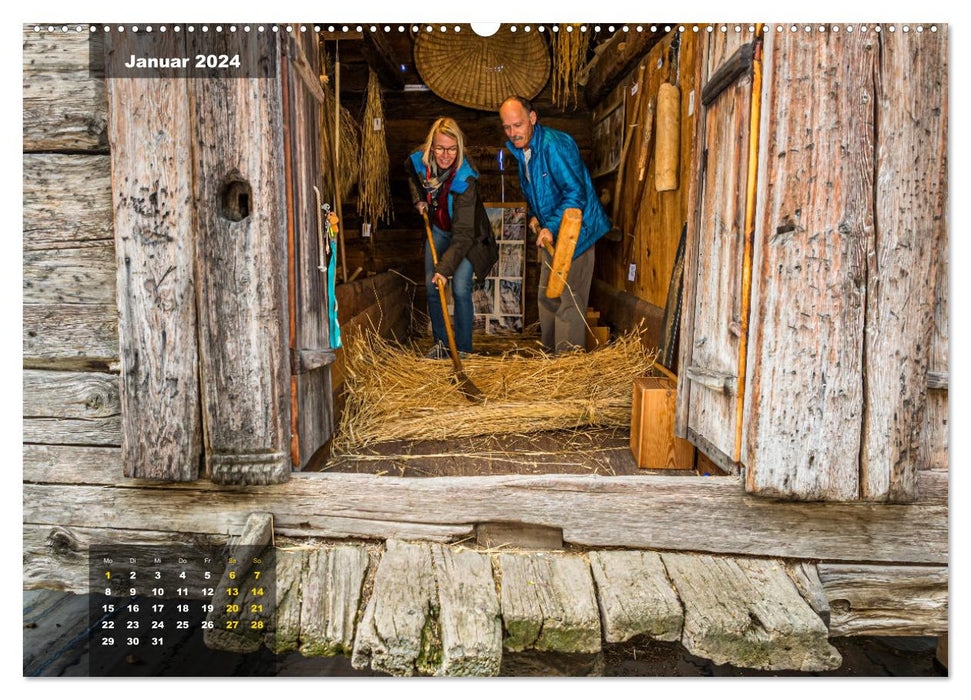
x: 481, y: 72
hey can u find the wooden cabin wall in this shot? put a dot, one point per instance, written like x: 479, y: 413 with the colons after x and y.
x: 408, y: 117
x: 70, y: 332
x: 655, y: 220
x: 849, y: 312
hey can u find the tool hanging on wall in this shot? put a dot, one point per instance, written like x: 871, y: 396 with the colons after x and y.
x: 466, y: 387
x: 668, y: 148
x: 325, y: 249
x: 337, y: 154
x: 625, y: 149
x: 643, y: 157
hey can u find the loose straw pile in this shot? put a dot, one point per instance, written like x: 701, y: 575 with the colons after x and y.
x: 569, y: 57
x: 374, y: 201
x: 396, y: 394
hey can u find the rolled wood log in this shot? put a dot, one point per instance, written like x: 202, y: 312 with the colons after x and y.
x: 566, y: 243
x: 667, y: 149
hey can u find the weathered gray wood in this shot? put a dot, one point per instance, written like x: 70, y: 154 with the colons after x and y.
x: 331, y: 592
x: 241, y: 281
x: 806, y: 578
x: 284, y: 634
x: 55, y: 633
x: 307, y: 360
x: 246, y: 555
x: 57, y: 557
x: 468, y: 612
x: 155, y: 250
x: 548, y: 603
x: 70, y: 275
x: 518, y: 535
x: 910, y: 189
x: 804, y: 396
x: 67, y: 200
x: 77, y: 408
x: 64, y: 104
x: 717, y: 273
x: 635, y: 596
x: 885, y: 600
x: 644, y: 512
x: 60, y: 464
x: 748, y: 613
x: 933, y: 447
x: 398, y: 633
x: 70, y: 336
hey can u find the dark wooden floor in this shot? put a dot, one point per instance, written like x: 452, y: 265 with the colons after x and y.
x: 603, y: 452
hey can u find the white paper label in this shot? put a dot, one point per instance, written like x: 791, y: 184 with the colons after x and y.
x: 365, y: 230
x: 691, y: 103
x: 377, y: 124
x: 632, y: 272
x: 633, y: 89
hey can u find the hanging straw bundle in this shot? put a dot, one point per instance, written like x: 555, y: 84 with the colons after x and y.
x: 374, y: 200
x: 395, y: 394
x: 349, y: 139
x: 569, y: 46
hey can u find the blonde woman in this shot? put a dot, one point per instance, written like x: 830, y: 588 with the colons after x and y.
x: 444, y: 185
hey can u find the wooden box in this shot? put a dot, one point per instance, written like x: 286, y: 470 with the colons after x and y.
x: 652, y: 439
x: 597, y: 336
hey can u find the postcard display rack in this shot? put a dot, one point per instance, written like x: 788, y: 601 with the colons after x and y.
x: 499, y: 299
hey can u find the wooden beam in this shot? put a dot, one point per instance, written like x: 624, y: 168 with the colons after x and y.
x: 70, y: 336
x: 64, y: 103
x: 77, y: 408
x: 381, y: 58
x: 67, y: 201
x: 636, y: 596
x: 593, y: 512
x: 616, y: 58
x: 885, y: 600
x: 730, y: 71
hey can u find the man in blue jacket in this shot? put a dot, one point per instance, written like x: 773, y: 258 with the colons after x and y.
x: 553, y: 178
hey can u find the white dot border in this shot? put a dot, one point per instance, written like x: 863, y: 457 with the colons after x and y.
x: 782, y: 28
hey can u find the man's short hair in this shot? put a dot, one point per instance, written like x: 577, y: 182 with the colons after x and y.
x: 526, y: 104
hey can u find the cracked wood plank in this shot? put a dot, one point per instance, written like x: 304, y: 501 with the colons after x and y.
x: 748, y: 613
x: 396, y: 634
x: 468, y: 612
x: 806, y: 577
x: 635, y: 596
x: 886, y: 600
x: 284, y: 634
x: 331, y: 589
x: 548, y: 603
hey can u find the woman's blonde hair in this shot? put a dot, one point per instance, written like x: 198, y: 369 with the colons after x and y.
x: 447, y: 127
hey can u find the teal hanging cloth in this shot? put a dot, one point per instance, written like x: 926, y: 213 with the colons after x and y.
x: 335, y: 329
x: 325, y: 244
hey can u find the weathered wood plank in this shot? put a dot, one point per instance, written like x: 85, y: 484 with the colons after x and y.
x: 57, y: 557
x: 748, y: 613
x: 635, y: 596
x: 64, y: 104
x: 331, y: 591
x: 548, y: 603
x: 804, y: 398
x: 55, y: 633
x: 910, y: 188
x: 615, y: 58
x: 592, y: 511
x: 397, y: 633
x: 70, y: 275
x: 284, y: 634
x: 78, y: 408
x: 59, y: 464
x: 885, y: 600
x: 67, y: 200
x: 70, y: 336
x: 241, y: 265
x: 806, y: 578
x: 468, y: 612
x: 155, y: 251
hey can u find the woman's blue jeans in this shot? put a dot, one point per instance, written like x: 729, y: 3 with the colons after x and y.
x: 461, y: 291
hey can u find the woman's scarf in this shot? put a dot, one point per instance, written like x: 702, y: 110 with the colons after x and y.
x: 433, y: 182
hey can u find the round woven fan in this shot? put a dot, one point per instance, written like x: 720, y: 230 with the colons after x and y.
x: 481, y: 72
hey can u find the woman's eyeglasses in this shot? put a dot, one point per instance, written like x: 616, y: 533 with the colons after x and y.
x: 439, y: 150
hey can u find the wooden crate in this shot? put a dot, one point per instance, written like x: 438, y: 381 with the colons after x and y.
x: 597, y: 336
x: 652, y: 439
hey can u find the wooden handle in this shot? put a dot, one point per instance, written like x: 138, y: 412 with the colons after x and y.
x: 453, y: 349
x: 534, y: 227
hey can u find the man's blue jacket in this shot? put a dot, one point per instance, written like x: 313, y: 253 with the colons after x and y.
x: 559, y: 180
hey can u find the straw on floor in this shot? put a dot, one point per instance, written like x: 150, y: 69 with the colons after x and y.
x: 394, y: 393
